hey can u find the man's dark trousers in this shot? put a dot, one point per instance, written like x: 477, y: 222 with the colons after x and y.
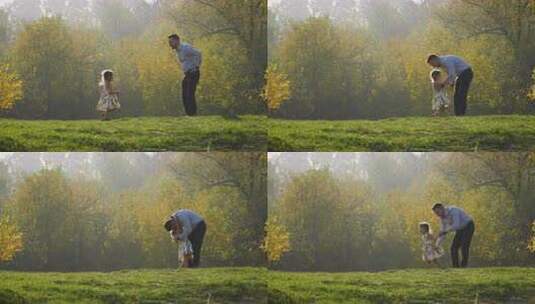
x: 196, y: 237
x: 462, y: 240
x: 462, y: 86
x: 189, y: 86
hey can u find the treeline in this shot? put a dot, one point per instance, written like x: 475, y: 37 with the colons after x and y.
x: 366, y: 59
x: 347, y: 212
x: 51, y: 56
x: 106, y: 212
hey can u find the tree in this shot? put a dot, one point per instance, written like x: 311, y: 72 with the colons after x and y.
x: 10, y: 239
x: 116, y: 18
x: 532, y: 242
x: 532, y: 93
x: 331, y: 70
x: 10, y: 88
x: 5, y: 31
x: 43, y: 209
x: 313, y: 218
x: 245, y: 21
x: 512, y: 21
x: 277, y: 240
x: 277, y: 89
x: 44, y: 57
x: 244, y: 174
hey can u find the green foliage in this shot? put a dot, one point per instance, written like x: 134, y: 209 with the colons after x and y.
x: 490, y: 133
x: 136, y: 134
x: 320, y: 59
x: 58, y: 68
x: 312, y: 218
x: 227, y: 87
x: 43, y: 208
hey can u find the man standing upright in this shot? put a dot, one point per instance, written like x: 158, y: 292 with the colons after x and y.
x: 190, y: 59
x: 456, y: 219
x: 460, y: 74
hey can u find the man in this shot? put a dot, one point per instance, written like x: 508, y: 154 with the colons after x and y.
x: 186, y: 225
x: 190, y: 59
x: 455, y: 219
x: 460, y: 74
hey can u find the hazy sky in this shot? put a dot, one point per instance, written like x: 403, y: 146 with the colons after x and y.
x: 3, y: 2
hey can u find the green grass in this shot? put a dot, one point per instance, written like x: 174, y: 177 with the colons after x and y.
x: 136, y: 134
x: 256, y: 285
x: 477, y: 133
x: 494, y: 285
x: 186, y: 286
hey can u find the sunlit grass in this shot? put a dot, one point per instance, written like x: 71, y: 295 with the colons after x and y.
x: 206, y: 133
x: 481, y: 133
x: 191, y: 286
x: 488, y: 285
x: 256, y: 285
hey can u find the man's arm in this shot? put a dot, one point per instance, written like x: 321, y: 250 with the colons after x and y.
x: 443, y: 229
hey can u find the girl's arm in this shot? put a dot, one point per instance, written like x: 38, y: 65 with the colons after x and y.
x: 438, y: 85
x: 109, y: 88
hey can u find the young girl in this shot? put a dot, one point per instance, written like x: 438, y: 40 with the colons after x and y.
x: 185, y: 249
x: 109, y: 99
x: 441, y: 101
x: 185, y: 254
x: 431, y: 246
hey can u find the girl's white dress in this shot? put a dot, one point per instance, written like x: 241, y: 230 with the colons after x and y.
x: 184, y: 249
x: 440, y: 99
x: 431, y: 248
x: 108, y: 102
x: 440, y: 96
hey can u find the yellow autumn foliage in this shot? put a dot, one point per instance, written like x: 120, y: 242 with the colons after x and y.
x: 277, y: 89
x: 10, y: 240
x: 277, y: 240
x: 10, y: 88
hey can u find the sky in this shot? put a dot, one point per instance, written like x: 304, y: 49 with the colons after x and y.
x: 4, y: 2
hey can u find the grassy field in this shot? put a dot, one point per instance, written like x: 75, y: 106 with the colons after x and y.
x: 482, y: 133
x: 218, y: 285
x: 256, y: 285
x: 136, y: 134
x: 491, y: 285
